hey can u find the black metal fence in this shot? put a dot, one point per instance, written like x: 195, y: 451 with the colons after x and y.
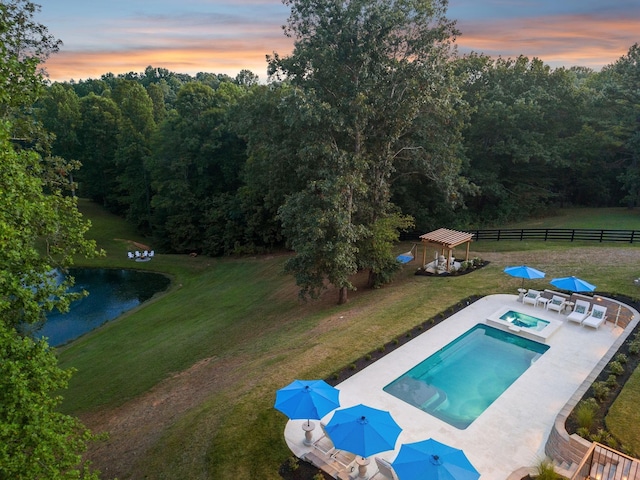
x: 557, y: 234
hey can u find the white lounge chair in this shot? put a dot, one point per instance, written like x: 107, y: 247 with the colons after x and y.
x: 130, y: 255
x: 385, y: 470
x: 531, y: 297
x: 580, y: 311
x: 325, y: 445
x: 596, y: 318
x: 556, y: 303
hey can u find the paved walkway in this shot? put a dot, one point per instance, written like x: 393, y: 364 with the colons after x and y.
x: 512, y: 432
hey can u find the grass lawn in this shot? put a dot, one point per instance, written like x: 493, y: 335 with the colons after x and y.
x: 623, y: 418
x: 236, y: 326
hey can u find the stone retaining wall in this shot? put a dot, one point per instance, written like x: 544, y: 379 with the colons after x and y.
x: 569, y: 450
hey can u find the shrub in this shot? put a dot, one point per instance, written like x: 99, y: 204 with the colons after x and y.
x: 585, y: 413
x: 612, y: 381
x: 634, y: 347
x: 600, y: 390
x: 621, y: 358
x: 616, y: 368
x: 352, y: 366
x: 293, y: 463
x: 604, y: 437
x: 546, y: 471
x: 368, y: 357
x: 584, y: 432
x: 318, y: 476
x: 381, y: 349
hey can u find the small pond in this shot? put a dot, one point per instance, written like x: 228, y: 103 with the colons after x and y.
x: 112, y: 292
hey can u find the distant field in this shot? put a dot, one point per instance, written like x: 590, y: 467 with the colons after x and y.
x: 601, y: 218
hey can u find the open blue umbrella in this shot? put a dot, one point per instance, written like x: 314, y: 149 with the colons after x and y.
x: 432, y: 460
x: 363, y: 430
x: 572, y: 284
x: 307, y: 399
x: 524, y: 272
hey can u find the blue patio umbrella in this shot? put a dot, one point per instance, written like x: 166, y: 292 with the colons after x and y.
x: 572, y: 284
x: 432, y: 460
x: 363, y: 430
x: 307, y: 399
x: 524, y: 272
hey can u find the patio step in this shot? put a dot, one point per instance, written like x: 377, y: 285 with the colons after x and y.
x: 565, y: 468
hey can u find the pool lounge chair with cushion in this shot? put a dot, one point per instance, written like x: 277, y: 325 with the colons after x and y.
x: 596, y: 318
x: 556, y: 303
x: 531, y: 297
x: 325, y: 446
x: 385, y: 471
x: 580, y: 311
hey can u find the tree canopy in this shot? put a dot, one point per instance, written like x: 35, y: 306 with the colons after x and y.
x: 40, y: 232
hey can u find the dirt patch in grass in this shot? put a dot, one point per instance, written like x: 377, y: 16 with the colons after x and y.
x: 134, y: 427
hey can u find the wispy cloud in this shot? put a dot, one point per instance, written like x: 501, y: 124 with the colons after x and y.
x: 226, y: 57
x: 191, y: 36
x: 566, y: 40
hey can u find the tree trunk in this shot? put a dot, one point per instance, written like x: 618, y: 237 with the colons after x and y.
x: 342, y: 298
x: 371, y: 281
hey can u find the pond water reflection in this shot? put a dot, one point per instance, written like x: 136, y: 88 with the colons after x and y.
x: 112, y: 292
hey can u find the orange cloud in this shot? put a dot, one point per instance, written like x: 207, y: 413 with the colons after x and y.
x: 190, y: 44
x: 218, y: 57
x: 557, y: 40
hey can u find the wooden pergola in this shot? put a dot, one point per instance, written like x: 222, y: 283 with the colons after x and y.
x: 445, y: 240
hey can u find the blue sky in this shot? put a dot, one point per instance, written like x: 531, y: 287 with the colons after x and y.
x: 226, y: 36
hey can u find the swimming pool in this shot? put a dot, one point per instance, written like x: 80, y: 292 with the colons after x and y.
x: 523, y: 324
x: 459, y: 382
x: 524, y: 321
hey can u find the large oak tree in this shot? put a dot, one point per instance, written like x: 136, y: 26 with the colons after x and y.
x: 373, y: 93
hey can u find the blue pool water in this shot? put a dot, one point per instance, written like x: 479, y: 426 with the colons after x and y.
x: 458, y: 382
x: 524, y: 321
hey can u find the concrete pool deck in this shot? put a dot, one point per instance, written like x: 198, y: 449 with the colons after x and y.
x: 512, y: 432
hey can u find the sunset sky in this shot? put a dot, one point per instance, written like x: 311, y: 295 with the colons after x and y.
x: 226, y: 36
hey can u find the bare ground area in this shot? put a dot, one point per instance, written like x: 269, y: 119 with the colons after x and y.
x: 134, y: 427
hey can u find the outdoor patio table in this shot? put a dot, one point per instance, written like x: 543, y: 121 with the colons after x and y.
x: 521, y: 292
x: 542, y: 301
x: 568, y: 306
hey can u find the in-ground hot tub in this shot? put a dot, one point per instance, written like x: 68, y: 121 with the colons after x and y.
x: 523, y: 324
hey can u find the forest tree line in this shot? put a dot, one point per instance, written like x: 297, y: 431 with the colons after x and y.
x: 202, y: 163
